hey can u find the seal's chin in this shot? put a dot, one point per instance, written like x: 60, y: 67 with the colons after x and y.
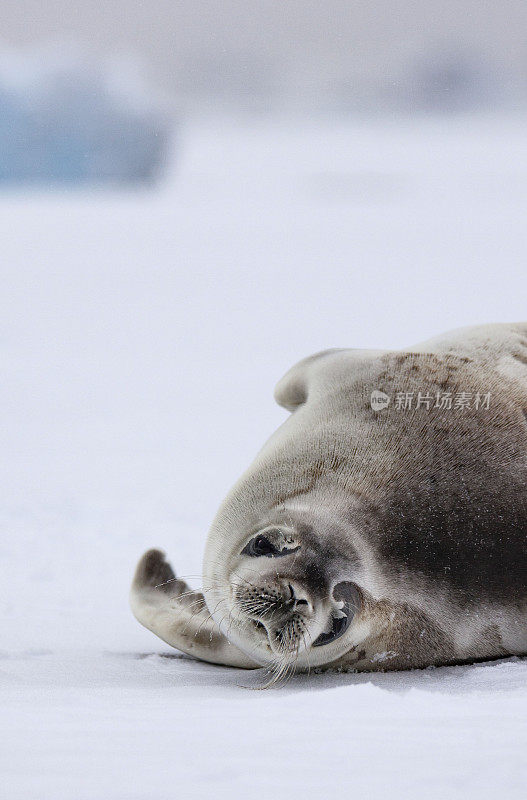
x: 283, y: 639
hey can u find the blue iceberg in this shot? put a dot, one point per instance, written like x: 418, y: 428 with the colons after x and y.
x: 73, y: 124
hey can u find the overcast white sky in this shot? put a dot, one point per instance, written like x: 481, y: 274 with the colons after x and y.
x: 335, y: 48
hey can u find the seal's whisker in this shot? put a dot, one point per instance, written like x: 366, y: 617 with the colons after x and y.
x: 283, y: 666
x: 194, y: 615
x: 307, y: 653
x: 204, y: 622
x: 177, y: 578
x: 231, y: 621
x: 222, y: 565
x: 210, y: 616
x: 211, y: 635
x: 188, y: 592
x: 200, y: 600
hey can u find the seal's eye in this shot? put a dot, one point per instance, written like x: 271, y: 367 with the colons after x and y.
x: 260, y: 546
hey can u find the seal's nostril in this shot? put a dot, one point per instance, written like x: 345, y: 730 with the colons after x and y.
x: 347, y: 591
x: 297, y: 601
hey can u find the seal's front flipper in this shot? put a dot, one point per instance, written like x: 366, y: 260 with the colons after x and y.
x: 166, y: 606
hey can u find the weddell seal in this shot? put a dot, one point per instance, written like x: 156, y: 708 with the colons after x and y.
x: 383, y: 526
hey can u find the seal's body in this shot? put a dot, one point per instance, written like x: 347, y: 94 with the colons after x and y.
x: 370, y: 534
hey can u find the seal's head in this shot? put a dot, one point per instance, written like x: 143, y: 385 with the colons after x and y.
x: 286, y: 594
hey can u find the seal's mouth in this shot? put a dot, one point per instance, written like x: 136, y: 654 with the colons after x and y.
x: 284, y: 629
x: 338, y: 628
x: 348, y: 594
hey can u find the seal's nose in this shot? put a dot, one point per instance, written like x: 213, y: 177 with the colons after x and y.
x: 298, y: 598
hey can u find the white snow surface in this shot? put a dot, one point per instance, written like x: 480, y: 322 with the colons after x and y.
x: 141, y: 336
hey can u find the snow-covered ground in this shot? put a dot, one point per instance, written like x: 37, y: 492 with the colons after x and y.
x: 140, y: 339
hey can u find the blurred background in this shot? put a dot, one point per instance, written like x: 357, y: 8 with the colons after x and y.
x: 337, y: 57
x: 193, y: 196
x: 92, y: 93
